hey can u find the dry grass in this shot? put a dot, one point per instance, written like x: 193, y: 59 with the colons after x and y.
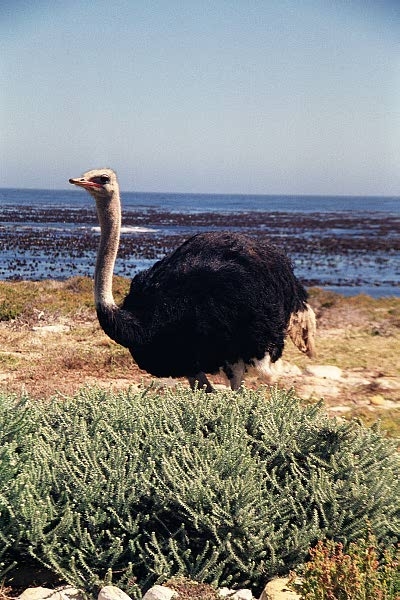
x: 5, y: 592
x: 49, y: 299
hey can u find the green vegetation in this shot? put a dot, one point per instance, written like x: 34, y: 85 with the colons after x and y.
x: 228, y: 489
x: 8, y: 312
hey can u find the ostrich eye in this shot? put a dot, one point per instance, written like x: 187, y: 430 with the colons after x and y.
x: 104, y: 179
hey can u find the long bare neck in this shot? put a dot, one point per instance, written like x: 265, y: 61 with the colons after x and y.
x: 109, y: 214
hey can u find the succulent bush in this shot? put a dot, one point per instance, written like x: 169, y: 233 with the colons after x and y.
x: 16, y: 427
x: 360, y: 573
x: 229, y: 489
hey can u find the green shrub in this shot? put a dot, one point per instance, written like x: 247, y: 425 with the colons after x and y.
x: 8, y: 312
x: 16, y: 426
x: 362, y: 573
x: 229, y: 489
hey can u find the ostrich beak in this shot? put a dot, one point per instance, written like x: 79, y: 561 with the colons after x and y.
x: 81, y: 182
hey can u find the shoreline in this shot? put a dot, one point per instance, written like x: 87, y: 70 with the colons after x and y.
x: 350, y: 253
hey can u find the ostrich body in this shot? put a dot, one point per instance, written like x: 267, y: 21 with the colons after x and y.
x: 220, y: 301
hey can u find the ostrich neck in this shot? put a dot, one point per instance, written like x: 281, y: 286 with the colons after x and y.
x: 109, y: 215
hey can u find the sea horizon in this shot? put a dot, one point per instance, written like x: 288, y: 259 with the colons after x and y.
x: 191, y: 193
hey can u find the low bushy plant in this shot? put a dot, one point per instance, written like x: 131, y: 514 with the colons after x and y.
x: 8, y: 312
x: 16, y: 426
x: 360, y: 573
x: 229, y: 489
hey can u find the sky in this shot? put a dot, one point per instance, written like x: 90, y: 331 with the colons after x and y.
x: 219, y: 96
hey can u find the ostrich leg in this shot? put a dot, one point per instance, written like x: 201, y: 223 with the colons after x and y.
x: 235, y: 374
x: 200, y: 380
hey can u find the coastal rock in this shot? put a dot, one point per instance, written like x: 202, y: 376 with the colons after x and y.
x: 278, y: 589
x: 160, y: 592
x: 339, y: 409
x: 282, y: 367
x: 324, y: 372
x: 378, y: 400
x: 353, y: 379
x: 243, y: 594
x: 388, y: 383
x: 71, y: 592
x: 111, y: 592
x: 42, y: 593
x: 320, y: 388
x: 45, y: 329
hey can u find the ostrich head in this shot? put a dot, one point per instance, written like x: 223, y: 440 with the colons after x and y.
x: 102, y: 184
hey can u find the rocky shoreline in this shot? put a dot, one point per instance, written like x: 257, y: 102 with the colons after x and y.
x: 351, y: 249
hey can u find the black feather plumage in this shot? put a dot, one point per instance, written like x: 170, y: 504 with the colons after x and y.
x: 218, y: 299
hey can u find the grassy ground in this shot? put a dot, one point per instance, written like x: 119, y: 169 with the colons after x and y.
x: 50, y: 342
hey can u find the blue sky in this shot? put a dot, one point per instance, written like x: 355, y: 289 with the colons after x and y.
x: 295, y: 97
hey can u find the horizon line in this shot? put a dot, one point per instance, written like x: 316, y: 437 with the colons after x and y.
x: 176, y: 193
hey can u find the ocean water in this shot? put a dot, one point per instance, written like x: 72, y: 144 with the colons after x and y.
x: 347, y: 244
x: 195, y: 203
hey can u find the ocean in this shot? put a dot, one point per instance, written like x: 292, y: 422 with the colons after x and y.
x: 346, y: 244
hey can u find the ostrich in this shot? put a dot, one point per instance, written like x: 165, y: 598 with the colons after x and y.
x: 220, y: 302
